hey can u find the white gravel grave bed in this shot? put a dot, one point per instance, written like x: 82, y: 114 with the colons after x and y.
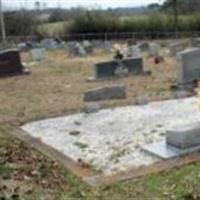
x: 111, y: 139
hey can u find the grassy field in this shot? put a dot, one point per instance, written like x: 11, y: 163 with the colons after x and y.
x: 53, y: 29
x: 55, y: 87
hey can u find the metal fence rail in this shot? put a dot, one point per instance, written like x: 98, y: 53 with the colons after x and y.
x: 111, y: 36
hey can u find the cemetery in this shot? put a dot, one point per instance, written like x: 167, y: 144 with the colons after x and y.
x: 129, y: 124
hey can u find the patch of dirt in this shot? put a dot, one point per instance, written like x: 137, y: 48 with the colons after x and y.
x: 24, y: 171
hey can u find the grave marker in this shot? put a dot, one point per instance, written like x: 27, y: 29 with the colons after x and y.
x: 106, y: 93
x: 154, y: 49
x: 176, y: 47
x: 108, y: 69
x: 10, y: 63
x: 38, y: 54
x: 189, y: 66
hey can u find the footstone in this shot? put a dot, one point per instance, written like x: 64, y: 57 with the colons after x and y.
x: 10, y: 62
x: 189, y: 66
x: 184, y: 137
x: 92, y: 107
x: 106, y: 93
x: 108, y: 69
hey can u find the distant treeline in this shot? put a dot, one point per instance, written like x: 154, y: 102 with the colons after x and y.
x: 95, y: 22
x: 82, y: 21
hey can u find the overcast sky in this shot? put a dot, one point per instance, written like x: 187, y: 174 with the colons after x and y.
x: 11, y: 4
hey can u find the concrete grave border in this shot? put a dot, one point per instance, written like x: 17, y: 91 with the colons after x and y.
x: 87, y: 174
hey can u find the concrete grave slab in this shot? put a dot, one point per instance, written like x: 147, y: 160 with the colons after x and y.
x: 112, y: 140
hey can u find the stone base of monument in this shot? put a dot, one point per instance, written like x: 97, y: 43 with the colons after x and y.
x: 166, y: 151
x: 94, y: 78
x: 179, y: 141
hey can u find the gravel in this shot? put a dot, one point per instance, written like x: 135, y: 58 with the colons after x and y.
x: 111, y: 139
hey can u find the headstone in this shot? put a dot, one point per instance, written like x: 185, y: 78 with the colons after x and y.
x: 108, y: 46
x: 81, y: 51
x: 143, y: 46
x: 195, y: 42
x: 87, y: 46
x: 133, y: 51
x: 108, y: 69
x: 176, y: 47
x: 10, y: 63
x: 106, y: 93
x: 38, y: 54
x: 141, y: 100
x: 184, y: 137
x: 154, y: 49
x: 189, y: 66
x: 23, y: 46
x: 49, y: 43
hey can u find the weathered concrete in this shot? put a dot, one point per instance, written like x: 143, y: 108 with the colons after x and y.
x: 106, y: 93
x: 184, y: 136
x: 166, y: 151
x: 189, y: 66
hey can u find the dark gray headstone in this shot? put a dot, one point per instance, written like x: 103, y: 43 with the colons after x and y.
x: 106, y: 93
x: 10, y: 63
x: 108, y: 69
x: 189, y: 66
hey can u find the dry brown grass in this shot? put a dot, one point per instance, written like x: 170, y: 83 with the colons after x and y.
x: 56, y: 86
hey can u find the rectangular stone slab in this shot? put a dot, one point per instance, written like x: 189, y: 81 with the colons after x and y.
x: 107, y: 69
x: 165, y: 151
x: 106, y: 93
x: 189, y: 66
x: 184, y: 137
